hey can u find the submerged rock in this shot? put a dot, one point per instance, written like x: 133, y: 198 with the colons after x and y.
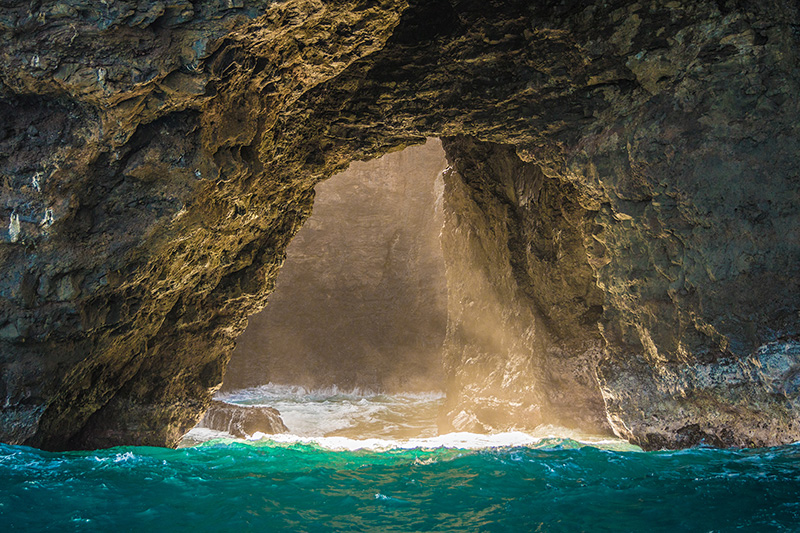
x: 242, y: 420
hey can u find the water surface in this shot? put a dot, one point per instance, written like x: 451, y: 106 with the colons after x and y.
x: 329, y: 482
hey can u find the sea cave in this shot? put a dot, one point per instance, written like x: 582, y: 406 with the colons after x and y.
x: 611, y: 188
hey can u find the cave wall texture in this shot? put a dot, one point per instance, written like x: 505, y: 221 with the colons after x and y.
x: 623, y: 195
x: 361, y: 301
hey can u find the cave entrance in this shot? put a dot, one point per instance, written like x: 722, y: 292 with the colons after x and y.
x: 360, y: 303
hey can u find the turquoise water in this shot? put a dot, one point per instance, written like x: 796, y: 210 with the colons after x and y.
x: 555, y: 486
x: 325, y: 483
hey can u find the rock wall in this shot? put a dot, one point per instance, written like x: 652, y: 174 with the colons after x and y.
x: 152, y: 131
x: 157, y: 157
x: 522, y: 338
x: 361, y: 299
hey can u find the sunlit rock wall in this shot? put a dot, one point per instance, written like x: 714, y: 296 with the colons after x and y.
x: 148, y: 197
x: 360, y: 301
x: 522, y: 339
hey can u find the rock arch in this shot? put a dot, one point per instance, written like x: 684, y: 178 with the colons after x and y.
x: 629, y: 168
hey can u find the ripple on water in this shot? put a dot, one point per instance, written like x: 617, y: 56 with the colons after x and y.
x: 458, y: 482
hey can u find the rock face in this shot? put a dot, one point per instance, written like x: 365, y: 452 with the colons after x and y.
x: 361, y: 299
x: 242, y: 420
x: 173, y: 189
x: 623, y: 197
x: 522, y: 340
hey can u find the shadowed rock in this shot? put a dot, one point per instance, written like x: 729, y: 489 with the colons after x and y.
x: 242, y: 420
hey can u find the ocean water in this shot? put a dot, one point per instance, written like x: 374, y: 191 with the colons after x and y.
x: 328, y: 475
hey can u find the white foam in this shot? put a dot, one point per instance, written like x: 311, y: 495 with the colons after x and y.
x: 199, y: 435
x: 332, y: 411
x: 364, y: 420
x: 278, y: 392
x: 463, y: 441
x: 460, y: 440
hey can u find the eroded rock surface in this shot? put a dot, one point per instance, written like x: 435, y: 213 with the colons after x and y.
x: 522, y: 342
x: 145, y: 124
x: 157, y: 157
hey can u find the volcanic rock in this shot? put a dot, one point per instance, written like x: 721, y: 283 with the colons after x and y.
x: 156, y: 158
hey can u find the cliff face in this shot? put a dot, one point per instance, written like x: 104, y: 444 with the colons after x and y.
x: 151, y: 130
x: 624, y: 183
x: 522, y: 340
x: 361, y: 299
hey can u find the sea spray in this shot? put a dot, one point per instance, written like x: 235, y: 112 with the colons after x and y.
x: 355, y: 413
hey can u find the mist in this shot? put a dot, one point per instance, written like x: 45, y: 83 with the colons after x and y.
x: 361, y: 301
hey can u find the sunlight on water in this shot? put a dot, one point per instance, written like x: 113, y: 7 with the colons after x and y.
x: 327, y: 480
x: 358, y: 419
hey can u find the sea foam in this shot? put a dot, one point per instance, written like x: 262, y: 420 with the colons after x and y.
x: 338, y: 420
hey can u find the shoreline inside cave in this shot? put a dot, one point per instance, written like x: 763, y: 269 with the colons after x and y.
x: 366, y: 420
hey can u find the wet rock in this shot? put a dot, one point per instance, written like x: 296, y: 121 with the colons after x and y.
x: 242, y: 420
x: 671, y: 399
x: 9, y: 331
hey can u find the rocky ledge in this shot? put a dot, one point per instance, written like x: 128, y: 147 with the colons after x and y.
x: 621, y: 211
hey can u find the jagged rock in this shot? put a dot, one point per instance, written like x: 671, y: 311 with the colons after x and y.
x: 160, y: 156
x: 242, y: 420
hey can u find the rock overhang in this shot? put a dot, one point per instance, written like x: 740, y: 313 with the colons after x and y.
x: 192, y: 138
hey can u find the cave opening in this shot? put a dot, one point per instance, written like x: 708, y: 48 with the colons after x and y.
x: 359, y: 313
x: 622, y: 242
